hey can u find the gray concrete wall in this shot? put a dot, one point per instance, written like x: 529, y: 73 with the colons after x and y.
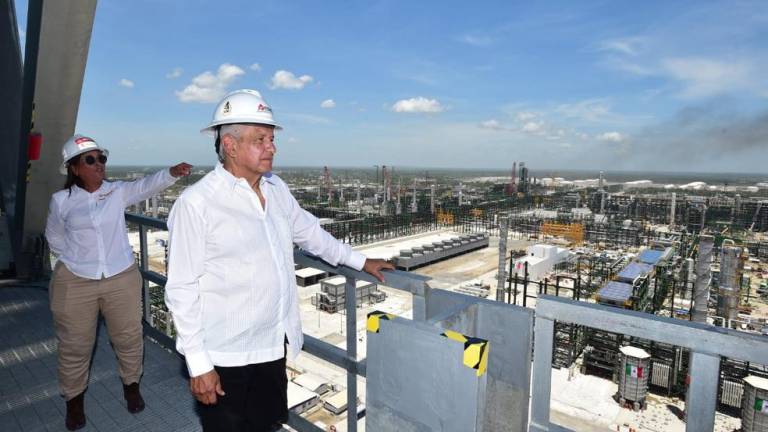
x: 417, y: 382
x: 64, y: 41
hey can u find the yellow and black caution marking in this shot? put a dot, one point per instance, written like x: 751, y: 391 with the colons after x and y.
x: 475, y: 350
x: 373, y: 320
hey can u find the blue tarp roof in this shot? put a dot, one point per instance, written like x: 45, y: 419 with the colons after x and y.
x: 615, y: 291
x: 633, y: 271
x: 650, y: 256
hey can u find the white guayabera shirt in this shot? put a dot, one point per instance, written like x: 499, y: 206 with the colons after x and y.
x: 86, y: 230
x: 231, y: 286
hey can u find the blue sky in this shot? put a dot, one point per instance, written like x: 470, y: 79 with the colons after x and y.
x: 589, y: 84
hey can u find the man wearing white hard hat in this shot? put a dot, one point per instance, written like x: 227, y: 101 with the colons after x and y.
x: 96, y: 271
x: 231, y: 286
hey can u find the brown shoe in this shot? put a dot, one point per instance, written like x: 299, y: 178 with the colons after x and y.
x: 75, y: 413
x: 133, y: 397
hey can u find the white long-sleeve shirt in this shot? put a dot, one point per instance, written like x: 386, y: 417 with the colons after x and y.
x: 86, y: 230
x: 231, y: 286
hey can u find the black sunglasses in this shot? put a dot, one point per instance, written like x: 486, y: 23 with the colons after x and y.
x: 90, y: 160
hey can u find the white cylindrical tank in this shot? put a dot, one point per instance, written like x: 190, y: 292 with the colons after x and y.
x: 754, y: 405
x: 633, y: 375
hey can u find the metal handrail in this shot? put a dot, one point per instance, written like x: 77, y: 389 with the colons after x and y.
x: 706, y: 343
x: 347, y: 359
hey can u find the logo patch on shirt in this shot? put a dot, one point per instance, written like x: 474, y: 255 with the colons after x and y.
x: 104, y: 195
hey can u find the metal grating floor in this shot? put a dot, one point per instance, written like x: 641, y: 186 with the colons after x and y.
x: 29, y: 396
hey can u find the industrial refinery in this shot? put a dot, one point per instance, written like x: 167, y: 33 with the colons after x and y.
x: 549, y: 216
x: 696, y: 254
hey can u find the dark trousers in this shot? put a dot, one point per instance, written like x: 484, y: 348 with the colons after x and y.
x: 256, y: 399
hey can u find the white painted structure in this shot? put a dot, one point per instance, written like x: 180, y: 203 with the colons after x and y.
x: 301, y: 399
x: 541, y: 259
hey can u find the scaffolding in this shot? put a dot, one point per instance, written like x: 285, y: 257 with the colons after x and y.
x: 573, y: 232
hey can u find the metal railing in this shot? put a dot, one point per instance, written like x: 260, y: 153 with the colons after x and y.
x: 346, y: 359
x: 706, y: 343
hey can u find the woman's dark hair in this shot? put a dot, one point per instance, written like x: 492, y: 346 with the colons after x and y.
x: 72, y: 179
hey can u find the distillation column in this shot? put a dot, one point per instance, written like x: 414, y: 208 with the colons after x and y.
x: 729, y: 293
x: 703, y: 277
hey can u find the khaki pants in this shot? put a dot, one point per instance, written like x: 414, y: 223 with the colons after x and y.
x: 75, y: 303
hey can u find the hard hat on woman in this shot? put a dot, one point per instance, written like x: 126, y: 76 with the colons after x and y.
x: 76, y: 146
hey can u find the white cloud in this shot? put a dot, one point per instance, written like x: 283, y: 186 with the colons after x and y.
x: 175, y: 73
x: 592, y: 110
x: 491, y: 124
x: 615, y: 137
x: 476, y: 40
x: 210, y: 88
x: 287, y: 80
x: 328, y: 103
x: 124, y: 82
x: 533, y: 127
x: 704, y: 77
x: 524, y: 116
x: 255, y: 67
x: 417, y: 105
x: 630, y: 46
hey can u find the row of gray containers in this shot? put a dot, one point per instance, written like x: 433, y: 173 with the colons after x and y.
x: 432, y: 252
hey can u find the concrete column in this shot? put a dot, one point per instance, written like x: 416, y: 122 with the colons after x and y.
x: 65, y: 37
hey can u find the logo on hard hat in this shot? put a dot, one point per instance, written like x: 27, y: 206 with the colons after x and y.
x: 84, y: 142
x: 227, y: 108
x: 263, y: 107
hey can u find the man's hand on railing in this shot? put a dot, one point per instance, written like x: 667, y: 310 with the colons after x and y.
x: 374, y: 267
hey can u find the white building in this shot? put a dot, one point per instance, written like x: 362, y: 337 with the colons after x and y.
x: 541, y: 259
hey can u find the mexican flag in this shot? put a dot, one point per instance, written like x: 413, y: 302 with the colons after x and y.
x: 761, y: 406
x: 635, y: 372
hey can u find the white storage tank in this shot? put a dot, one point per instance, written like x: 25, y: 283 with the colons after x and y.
x: 633, y: 376
x: 754, y: 405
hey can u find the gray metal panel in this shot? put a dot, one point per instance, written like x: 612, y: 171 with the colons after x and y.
x: 10, y: 105
x: 509, y: 362
x: 615, y: 291
x: 416, y: 381
x: 633, y: 271
x: 650, y: 256
x: 702, y: 392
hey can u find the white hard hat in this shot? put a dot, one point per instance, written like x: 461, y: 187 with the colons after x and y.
x: 78, y: 145
x: 241, y: 106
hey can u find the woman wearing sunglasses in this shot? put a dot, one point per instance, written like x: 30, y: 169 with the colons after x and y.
x: 96, y: 271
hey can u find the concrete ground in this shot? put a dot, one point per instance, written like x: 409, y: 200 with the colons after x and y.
x: 585, y: 403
